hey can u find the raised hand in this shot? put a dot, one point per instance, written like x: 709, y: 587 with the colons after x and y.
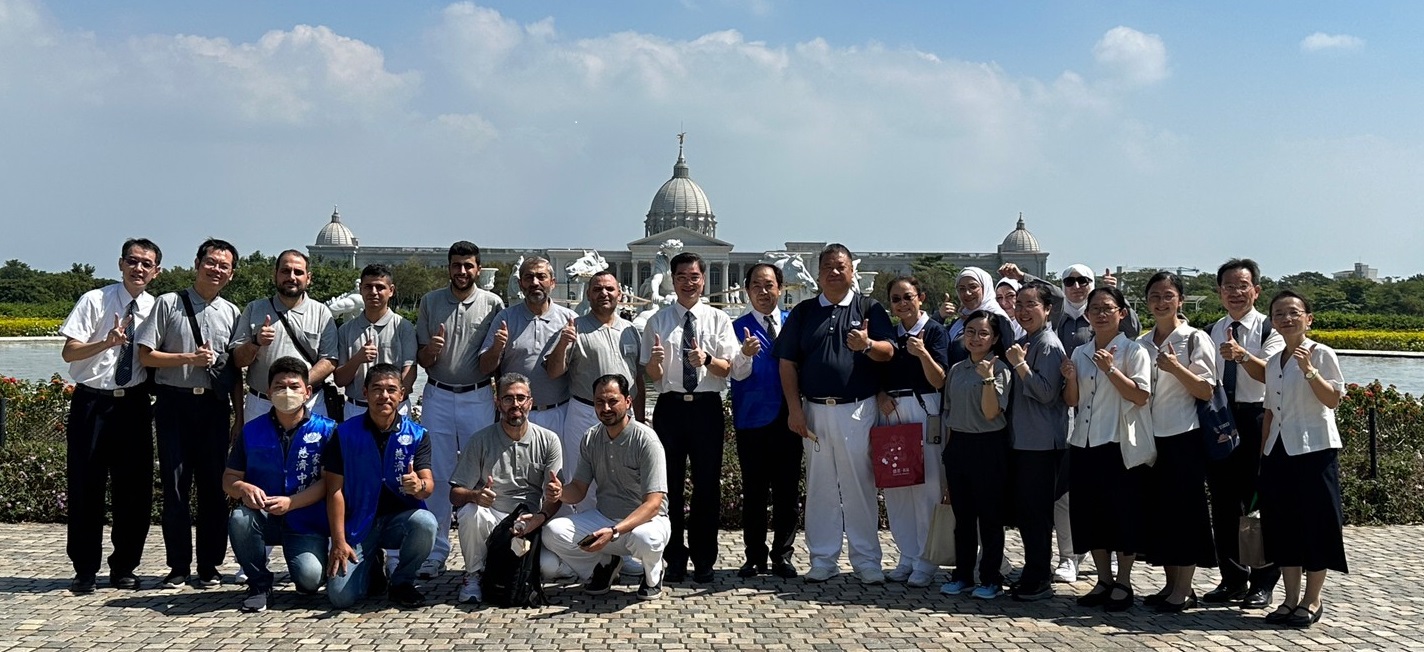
x: 1010, y: 270
x: 119, y: 334
x: 915, y: 345
x: 267, y: 334
x: 1167, y: 357
x: 501, y: 336
x: 858, y: 339
x: 1302, y: 357
x: 437, y: 341
x: 1230, y: 350
x: 985, y: 367
x: 696, y: 357
x: 410, y: 482
x: 568, y: 334
x: 1103, y: 358
x: 1016, y: 354
x: 553, y: 489
x: 751, y: 345
x: 947, y: 307
x: 1108, y: 279
x: 655, y: 357
x: 369, y: 352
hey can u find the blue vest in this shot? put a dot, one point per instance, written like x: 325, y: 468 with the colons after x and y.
x: 367, y: 470
x: 267, y: 469
x: 757, y: 400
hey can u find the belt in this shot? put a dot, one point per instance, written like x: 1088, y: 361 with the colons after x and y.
x: 196, y: 391
x: 688, y: 397
x: 541, y: 408
x: 259, y: 394
x: 111, y: 393
x: 1250, y: 405
x: 461, y: 389
x: 357, y: 402
x: 584, y: 401
x: 897, y: 393
x: 833, y: 400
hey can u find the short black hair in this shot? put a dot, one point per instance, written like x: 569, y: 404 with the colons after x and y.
x: 776, y: 271
x: 1175, y: 280
x: 287, y: 365
x: 383, y: 370
x: 1288, y: 294
x: 1044, y: 291
x: 142, y: 243
x: 911, y: 280
x: 1112, y: 292
x: 618, y: 380
x: 603, y: 272
x: 461, y: 249
x: 685, y: 258
x: 291, y: 252
x: 1240, y: 263
x: 832, y: 249
x: 378, y: 270
x: 213, y: 244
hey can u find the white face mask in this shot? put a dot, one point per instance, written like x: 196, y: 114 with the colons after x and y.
x: 288, y: 400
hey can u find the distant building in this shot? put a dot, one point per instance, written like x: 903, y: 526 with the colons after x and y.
x: 680, y: 210
x: 1361, y: 270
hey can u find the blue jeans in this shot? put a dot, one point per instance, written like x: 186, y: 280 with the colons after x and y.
x: 252, y: 530
x: 412, y: 532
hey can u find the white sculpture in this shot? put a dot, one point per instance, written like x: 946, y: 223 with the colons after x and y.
x: 512, y: 292
x: 800, y: 282
x: 486, y: 281
x: 862, y: 282
x: 345, y: 306
x: 583, y: 269
x: 659, y: 285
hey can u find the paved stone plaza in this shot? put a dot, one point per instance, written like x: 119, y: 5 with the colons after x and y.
x: 1376, y: 607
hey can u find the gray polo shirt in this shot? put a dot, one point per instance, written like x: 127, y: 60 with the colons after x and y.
x: 167, y: 330
x: 627, y: 468
x: 466, y: 323
x: 529, y: 338
x: 600, y: 349
x: 1040, y: 416
x: 963, y: 392
x: 520, y: 468
x: 395, y: 343
x: 310, y: 320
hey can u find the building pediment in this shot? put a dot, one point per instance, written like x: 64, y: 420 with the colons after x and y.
x: 690, y: 240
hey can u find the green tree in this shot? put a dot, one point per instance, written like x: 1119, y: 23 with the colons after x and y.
x: 936, y: 277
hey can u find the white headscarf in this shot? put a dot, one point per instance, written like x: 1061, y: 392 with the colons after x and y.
x: 1014, y: 285
x: 986, y: 297
x: 1075, y: 311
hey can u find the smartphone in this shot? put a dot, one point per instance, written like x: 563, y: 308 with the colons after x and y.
x: 587, y: 541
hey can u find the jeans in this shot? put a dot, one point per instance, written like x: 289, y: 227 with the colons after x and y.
x: 252, y: 530
x: 412, y: 532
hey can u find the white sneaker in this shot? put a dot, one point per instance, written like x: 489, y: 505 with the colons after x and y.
x: 1067, y: 571
x: 431, y: 569
x: 821, y: 573
x: 632, y: 567
x: 470, y: 591
x: 871, y: 576
x: 920, y: 579
x: 900, y: 574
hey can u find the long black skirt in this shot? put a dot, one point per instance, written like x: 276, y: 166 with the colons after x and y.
x: 1106, y: 508
x: 1176, y: 517
x: 1302, y: 520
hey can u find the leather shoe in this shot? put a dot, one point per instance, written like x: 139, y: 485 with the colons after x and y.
x: 1279, y: 617
x: 82, y: 584
x: 751, y: 569
x: 1224, y: 593
x: 1257, y: 599
x: 1166, y: 607
x: 702, y: 576
x: 1095, y: 598
x: 1119, y: 604
x: 784, y: 570
x: 675, y: 574
x: 1303, y: 617
x: 126, y: 582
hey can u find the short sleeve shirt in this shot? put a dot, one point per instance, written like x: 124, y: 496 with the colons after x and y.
x: 600, y: 349
x: 1299, y: 421
x: 519, y: 467
x: 466, y: 324
x: 1174, y: 409
x: 395, y: 344
x: 627, y: 468
x: 167, y: 330
x: 905, y: 371
x: 310, y: 320
x: 529, y: 338
x: 1100, y: 405
x: 964, y: 390
x: 90, y: 321
x: 815, y: 339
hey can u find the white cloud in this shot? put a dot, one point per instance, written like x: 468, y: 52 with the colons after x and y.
x: 1322, y: 41
x: 1135, y: 57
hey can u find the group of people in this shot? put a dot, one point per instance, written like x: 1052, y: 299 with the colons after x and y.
x: 533, y: 418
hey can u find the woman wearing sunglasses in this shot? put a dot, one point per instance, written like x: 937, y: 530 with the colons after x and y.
x: 910, y: 390
x: 1177, y: 521
x: 1106, y: 380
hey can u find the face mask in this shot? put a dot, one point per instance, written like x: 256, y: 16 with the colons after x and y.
x: 288, y: 400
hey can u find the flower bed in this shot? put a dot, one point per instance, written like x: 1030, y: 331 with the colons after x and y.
x: 29, y: 326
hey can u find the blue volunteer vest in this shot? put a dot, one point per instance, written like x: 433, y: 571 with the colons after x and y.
x: 367, y: 470
x: 757, y: 400
x: 287, y: 477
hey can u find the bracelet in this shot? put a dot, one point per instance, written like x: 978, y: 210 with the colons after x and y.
x: 988, y: 381
x: 1021, y: 364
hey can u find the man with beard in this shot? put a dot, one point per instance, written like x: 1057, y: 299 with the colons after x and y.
x: 288, y: 324
x: 522, y: 334
x: 507, y: 464
x: 589, y: 347
x: 192, y: 412
x: 458, y: 401
x: 626, y: 460
x: 376, y: 335
x: 109, y: 432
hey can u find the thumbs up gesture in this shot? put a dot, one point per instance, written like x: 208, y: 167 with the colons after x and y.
x: 751, y: 345
x: 553, y: 489
x: 1302, y: 357
x: 915, y: 345
x: 369, y: 351
x: 947, y: 307
x: 858, y: 339
x: 410, y: 482
x: 267, y: 333
x: 568, y: 334
x: 1231, y: 349
x: 437, y: 341
x: 1108, y: 279
x: 501, y: 336
x: 1167, y: 358
x: 985, y: 367
x: 655, y: 356
x: 696, y: 357
x: 1103, y: 358
x: 1016, y: 354
x: 485, y: 497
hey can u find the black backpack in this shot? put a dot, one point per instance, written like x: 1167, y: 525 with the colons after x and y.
x: 510, y: 580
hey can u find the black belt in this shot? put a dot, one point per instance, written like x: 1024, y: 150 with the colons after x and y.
x: 897, y: 393
x: 461, y: 389
x: 584, y: 401
x: 185, y: 391
x: 833, y: 400
x: 541, y: 408
x: 111, y: 393
x: 688, y: 397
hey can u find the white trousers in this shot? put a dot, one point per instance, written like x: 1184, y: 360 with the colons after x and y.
x: 561, y: 536
x: 553, y: 419
x: 577, y: 420
x: 1063, y: 527
x: 449, y: 420
x: 476, y: 524
x: 254, y: 406
x: 840, y: 485
x: 910, y: 508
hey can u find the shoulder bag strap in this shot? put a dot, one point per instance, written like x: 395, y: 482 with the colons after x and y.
x: 192, y: 319
x: 301, y: 344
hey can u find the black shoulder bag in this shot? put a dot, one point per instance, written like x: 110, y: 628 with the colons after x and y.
x: 222, y: 374
x: 330, y: 393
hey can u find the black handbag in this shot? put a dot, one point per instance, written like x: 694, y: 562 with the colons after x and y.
x: 330, y: 393
x: 1219, y: 433
x: 222, y: 374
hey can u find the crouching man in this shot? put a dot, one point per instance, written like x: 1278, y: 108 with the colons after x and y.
x: 274, y: 472
x: 507, y: 464
x: 624, y: 457
x: 377, y: 478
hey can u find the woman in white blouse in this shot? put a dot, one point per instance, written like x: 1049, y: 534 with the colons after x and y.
x: 1301, y: 516
x: 1177, y: 520
x: 1106, y: 379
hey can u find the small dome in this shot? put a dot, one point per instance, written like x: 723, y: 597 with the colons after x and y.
x: 681, y: 202
x: 335, y: 234
x: 1020, y: 240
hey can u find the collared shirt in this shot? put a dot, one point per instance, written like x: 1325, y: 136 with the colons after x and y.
x: 1298, y: 419
x: 167, y: 330
x: 395, y: 344
x: 529, y: 337
x: 600, y: 349
x: 712, y: 330
x: 1101, y: 407
x: 466, y: 323
x: 1248, y: 389
x: 815, y: 339
x: 905, y: 371
x: 964, y: 397
x: 742, y: 365
x: 91, y: 320
x: 520, y: 467
x: 1174, y: 409
x: 627, y: 468
x: 1040, y: 420
x: 310, y: 320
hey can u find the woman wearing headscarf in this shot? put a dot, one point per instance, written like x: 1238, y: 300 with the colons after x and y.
x: 975, y: 289
x: 1004, y: 293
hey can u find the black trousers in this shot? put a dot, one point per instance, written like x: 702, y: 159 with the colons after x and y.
x: 192, y: 452
x: 1036, y: 478
x: 770, y: 457
x: 1232, y: 483
x: 110, y: 440
x: 976, y: 466
x: 691, y: 432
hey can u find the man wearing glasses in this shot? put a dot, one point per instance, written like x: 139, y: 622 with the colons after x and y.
x: 193, y: 411
x: 110, y: 428
x: 507, y: 464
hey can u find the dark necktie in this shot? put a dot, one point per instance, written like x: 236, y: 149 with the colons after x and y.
x: 770, y: 327
x: 689, y: 342
x: 1229, y: 382
x: 123, y: 372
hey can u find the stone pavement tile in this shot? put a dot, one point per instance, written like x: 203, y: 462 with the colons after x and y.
x: 1377, y: 607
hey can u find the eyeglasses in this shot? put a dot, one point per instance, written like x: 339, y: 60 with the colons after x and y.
x: 142, y: 263
x: 1102, y: 311
x: 515, y: 399
x: 1236, y: 289
x: 1021, y: 305
x: 687, y: 278
x: 905, y: 298
x: 1294, y: 314
x: 1077, y: 280
x: 217, y: 265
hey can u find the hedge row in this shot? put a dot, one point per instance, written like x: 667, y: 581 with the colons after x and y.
x: 1330, y: 320
x: 1371, y: 340
x: 29, y: 326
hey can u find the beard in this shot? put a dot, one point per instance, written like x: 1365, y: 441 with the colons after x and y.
x: 291, y: 292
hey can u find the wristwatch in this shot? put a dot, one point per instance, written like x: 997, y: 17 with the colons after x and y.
x: 615, y: 535
x: 1313, y: 373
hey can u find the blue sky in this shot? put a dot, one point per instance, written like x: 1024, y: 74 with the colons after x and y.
x: 1128, y: 133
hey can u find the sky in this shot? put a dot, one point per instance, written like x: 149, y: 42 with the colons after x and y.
x: 1134, y: 133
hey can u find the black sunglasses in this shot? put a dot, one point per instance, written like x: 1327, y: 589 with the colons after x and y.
x: 1077, y: 280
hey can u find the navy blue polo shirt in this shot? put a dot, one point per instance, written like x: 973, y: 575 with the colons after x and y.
x: 814, y: 337
x: 904, y: 371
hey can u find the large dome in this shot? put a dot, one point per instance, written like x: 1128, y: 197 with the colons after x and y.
x: 335, y: 234
x: 681, y: 202
x: 1019, y: 240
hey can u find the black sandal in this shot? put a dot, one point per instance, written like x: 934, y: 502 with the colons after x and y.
x: 1095, y: 598
x: 1119, y: 604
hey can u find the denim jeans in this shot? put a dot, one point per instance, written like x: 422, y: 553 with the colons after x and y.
x: 252, y: 530
x: 412, y: 532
